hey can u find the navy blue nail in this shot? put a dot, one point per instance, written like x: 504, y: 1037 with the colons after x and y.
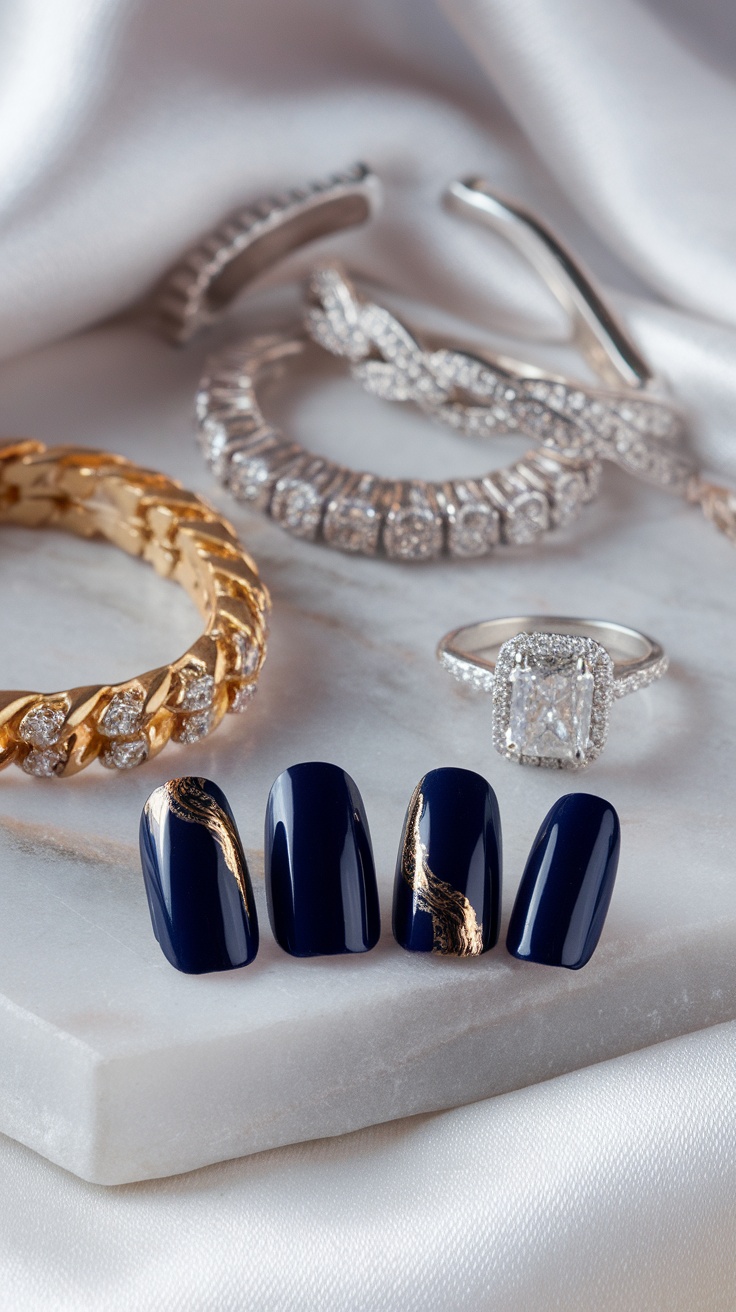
x: 447, y: 891
x: 320, y: 877
x: 196, y: 877
x: 567, y: 884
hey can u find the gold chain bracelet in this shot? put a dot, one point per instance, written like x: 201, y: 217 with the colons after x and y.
x: 95, y: 494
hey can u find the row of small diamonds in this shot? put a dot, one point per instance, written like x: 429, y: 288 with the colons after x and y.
x: 410, y: 520
x: 467, y: 672
x: 627, y: 683
x: 180, y: 298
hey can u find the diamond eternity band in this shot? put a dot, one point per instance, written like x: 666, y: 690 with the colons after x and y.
x: 407, y: 520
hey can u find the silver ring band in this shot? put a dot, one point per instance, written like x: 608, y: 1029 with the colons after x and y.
x: 637, y: 659
x: 211, y: 274
x: 552, y: 679
x: 407, y: 519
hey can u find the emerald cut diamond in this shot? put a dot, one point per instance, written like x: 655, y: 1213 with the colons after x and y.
x: 551, y: 697
x: 550, y: 711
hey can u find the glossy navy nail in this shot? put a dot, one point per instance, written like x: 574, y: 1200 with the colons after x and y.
x: 447, y: 890
x: 196, y: 877
x: 567, y: 884
x: 320, y: 877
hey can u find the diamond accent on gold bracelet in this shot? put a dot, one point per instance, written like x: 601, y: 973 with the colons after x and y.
x: 191, y: 728
x: 42, y: 725
x: 248, y: 655
x: 199, y: 693
x: 44, y: 762
x: 241, y: 698
x: 123, y: 714
x: 125, y: 755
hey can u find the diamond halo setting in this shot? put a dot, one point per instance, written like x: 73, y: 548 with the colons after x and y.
x: 551, y: 699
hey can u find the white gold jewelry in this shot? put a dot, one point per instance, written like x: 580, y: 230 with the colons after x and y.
x: 209, y: 276
x: 553, y: 680
x: 315, y: 498
x: 628, y: 419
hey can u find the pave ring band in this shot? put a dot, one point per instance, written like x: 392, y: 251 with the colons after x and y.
x: 483, y: 395
x: 252, y: 240
x: 552, y: 680
x: 315, y: 498
x: 95, y: 494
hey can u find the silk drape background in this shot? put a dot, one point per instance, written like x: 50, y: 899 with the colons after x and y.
x: 125, y: 130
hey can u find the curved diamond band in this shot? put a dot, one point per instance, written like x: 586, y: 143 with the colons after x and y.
x: 95, y: 494
x: 552, y: 680
x: 249, y: 242
x: 315, y: 498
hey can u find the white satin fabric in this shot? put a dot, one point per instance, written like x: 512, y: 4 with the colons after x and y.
x: 611, y: 1189
x: 125, y: 130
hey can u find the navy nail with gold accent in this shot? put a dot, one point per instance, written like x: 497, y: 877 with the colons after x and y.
x: 196, y: 877
x: 447, y: 891
x: 567, y: 884
x: 320, y: 877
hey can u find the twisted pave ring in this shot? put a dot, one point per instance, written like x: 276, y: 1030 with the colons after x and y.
x: 627, y: 420
x: 409, y: 520
x: 483, y: 395
x: 552, y: 680
x: 95, y: 494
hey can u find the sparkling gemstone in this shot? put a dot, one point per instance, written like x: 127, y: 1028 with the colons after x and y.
x: 474, y: 530
x: 193, y: 727
x: 248, y: 476
x: 551, y: 709
x: 242, y: 698
x: 42, y: 725
x: 123, y: 756
x: 44, y: 762
x: 352, y: 525
x: 248, y: 652
x: 298, y: 506
x: 199, y: 693
x: 212, y: 439
x: 569, y: 494
x: 526, y: 518
x: 413, y: 534
x: 123, y: 714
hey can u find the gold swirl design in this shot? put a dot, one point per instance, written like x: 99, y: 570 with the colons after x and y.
x: 454, y: 924
x: 189, y: 800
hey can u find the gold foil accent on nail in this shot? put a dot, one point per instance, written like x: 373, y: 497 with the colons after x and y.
x: 454, y: 925
x: 189, y: 800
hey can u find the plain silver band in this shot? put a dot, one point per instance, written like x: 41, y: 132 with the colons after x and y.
x: 637, y: 659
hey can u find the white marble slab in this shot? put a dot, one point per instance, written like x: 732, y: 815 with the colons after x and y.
x: 119, y: 1068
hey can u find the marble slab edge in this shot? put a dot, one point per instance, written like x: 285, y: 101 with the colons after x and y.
x: 460, y: 1032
